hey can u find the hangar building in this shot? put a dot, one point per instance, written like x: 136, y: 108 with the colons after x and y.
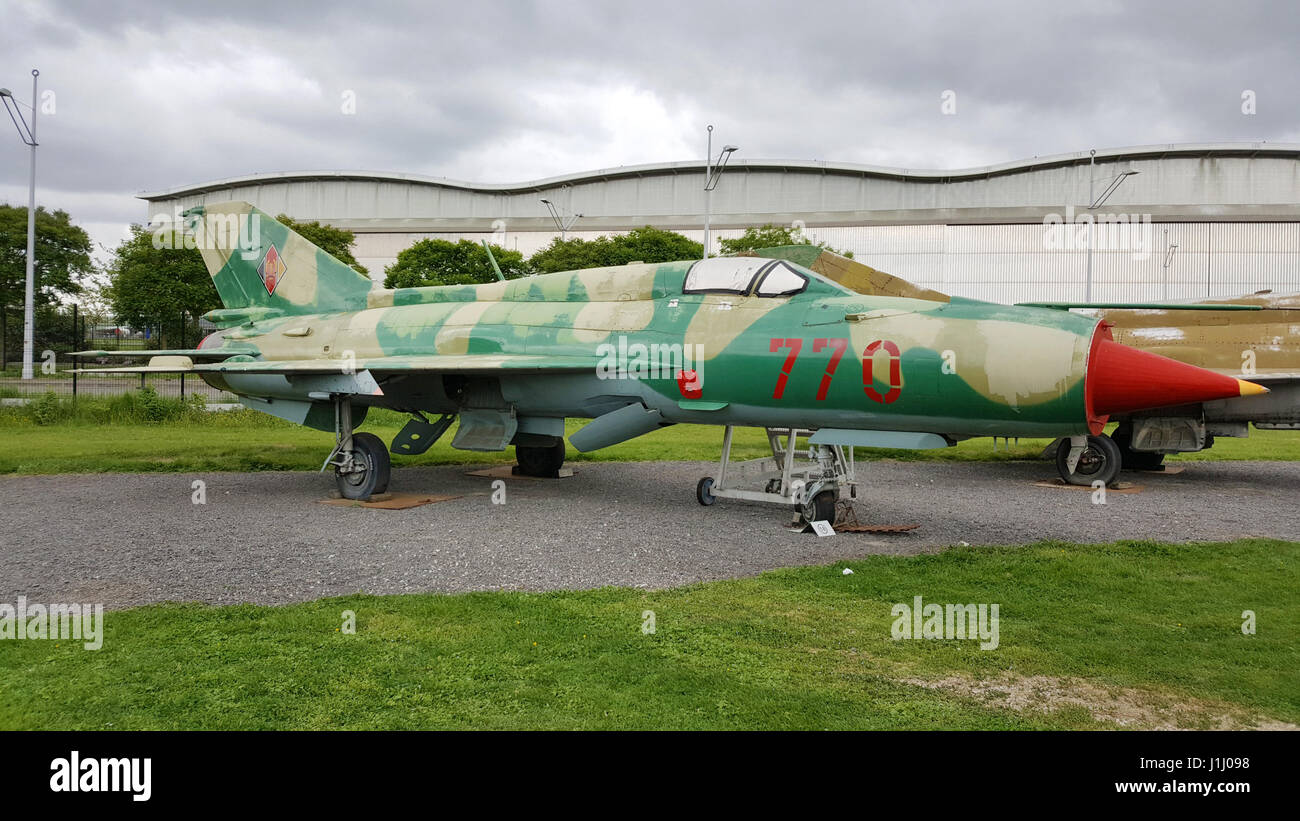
x: 1194, y: 220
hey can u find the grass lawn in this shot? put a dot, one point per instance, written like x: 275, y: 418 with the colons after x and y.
x: 103, y: 440
x: 1141, y: 633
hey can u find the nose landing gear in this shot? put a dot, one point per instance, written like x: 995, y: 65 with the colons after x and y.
x: 1098, y: 459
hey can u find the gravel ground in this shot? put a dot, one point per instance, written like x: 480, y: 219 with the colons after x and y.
x: 130, y: 539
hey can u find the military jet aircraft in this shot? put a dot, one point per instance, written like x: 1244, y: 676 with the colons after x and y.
x: 733, y: 341
x: 1256, y: 336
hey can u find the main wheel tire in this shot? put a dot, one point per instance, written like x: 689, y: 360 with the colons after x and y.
x: 371, y: 455
x: 1135, y: 459
x: 544, y: 461
x: 1100, y: 461
x: 704, y: 491
x: 822, y: 507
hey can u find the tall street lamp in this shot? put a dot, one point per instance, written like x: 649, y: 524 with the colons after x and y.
x: 712, y: 173
x: 28, y: 133
x: 1093, y: 205
x: 561, y: 224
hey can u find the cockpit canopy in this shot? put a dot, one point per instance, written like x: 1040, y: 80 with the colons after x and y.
x: 744, y: 276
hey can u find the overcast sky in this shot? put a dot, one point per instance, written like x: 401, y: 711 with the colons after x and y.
x: 150, y: 95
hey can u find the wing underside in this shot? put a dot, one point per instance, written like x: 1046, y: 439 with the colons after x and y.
x: 168, y: 362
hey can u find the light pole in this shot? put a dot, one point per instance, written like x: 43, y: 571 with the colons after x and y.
x: 28, y: 133
x: 563, y: 225
x: 1169, y: 257
x: 1093, y: 205
x: 711, y: 176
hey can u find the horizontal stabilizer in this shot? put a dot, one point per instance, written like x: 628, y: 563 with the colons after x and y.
x: 1142, y: 306
x: 192, y: 353
x: 138, y: 369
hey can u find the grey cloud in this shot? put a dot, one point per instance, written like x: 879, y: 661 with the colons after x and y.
x: 158, y: 94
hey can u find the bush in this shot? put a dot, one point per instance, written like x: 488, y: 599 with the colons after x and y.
x: 47, y: 410
x: 145, y: 405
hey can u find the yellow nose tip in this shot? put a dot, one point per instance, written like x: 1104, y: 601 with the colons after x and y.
x: 1250, y: 388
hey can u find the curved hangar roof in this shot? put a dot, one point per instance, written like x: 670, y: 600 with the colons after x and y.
x: 1191, y: 183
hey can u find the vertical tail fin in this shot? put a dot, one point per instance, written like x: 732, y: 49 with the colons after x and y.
x: 256, y: 261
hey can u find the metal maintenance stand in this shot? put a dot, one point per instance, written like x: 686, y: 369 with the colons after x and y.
x: 811, y: 485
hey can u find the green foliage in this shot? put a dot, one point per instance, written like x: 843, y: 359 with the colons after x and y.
x: 62, y: 255
x: 440, y: 262
x: 153, y: 278
x: 196, y: 406
x: 337, y: 242
x: 139, y: 407
x: 148, y: 406
x: 47, y: 410
x: 62, y: 262
x: 645, y: 244
x: 772, y: 236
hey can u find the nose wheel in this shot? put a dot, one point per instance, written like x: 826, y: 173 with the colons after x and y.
x: 1099, y: 461
x: 820, y: 508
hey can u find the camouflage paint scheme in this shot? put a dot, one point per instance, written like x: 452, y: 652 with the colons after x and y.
x: 1213, y: 339
x: 530, y: 347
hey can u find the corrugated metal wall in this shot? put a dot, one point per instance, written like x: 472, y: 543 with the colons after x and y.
x: 1017, y: 263
x: 1014, y: 263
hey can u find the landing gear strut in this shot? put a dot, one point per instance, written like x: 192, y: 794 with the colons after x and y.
x: 361, y: 464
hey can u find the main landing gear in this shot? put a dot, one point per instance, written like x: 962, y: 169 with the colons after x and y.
x: 543, y: 461
x: 361, y: 464
x: 811, y: 489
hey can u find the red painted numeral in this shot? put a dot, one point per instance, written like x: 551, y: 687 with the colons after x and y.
x: 895, y: 372
x: 840, y: 346
x: 795, y: 345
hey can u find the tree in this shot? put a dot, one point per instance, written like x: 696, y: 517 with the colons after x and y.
x: 62, y: 260
x: 440, y: 262
x: 644, y: 244
x: 337, y: 242
x: 154, y: 286
x: 772, y: 236
x: 648, y: 244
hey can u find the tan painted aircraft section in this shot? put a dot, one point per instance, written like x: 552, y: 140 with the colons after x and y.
x: 1216, y: 340
x: 1012, y: 362
x: 453, y: 337
x: 723, y: 317
x: 864, y: 279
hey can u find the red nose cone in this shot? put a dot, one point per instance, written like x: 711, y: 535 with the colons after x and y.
x: 1123, y: 379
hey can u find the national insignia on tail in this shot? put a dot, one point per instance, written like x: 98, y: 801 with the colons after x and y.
x: 271, y: 269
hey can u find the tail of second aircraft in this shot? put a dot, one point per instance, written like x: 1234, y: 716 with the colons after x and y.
x: 257, y: 262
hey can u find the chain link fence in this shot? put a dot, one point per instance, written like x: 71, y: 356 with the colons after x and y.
x: 60, y: 333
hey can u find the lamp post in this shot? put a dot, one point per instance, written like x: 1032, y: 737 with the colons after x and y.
x: 712, y: 173
x: 562, y: 225
x: 1169, y: 257
x: 28, y: 134
x: 1093, y: 205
